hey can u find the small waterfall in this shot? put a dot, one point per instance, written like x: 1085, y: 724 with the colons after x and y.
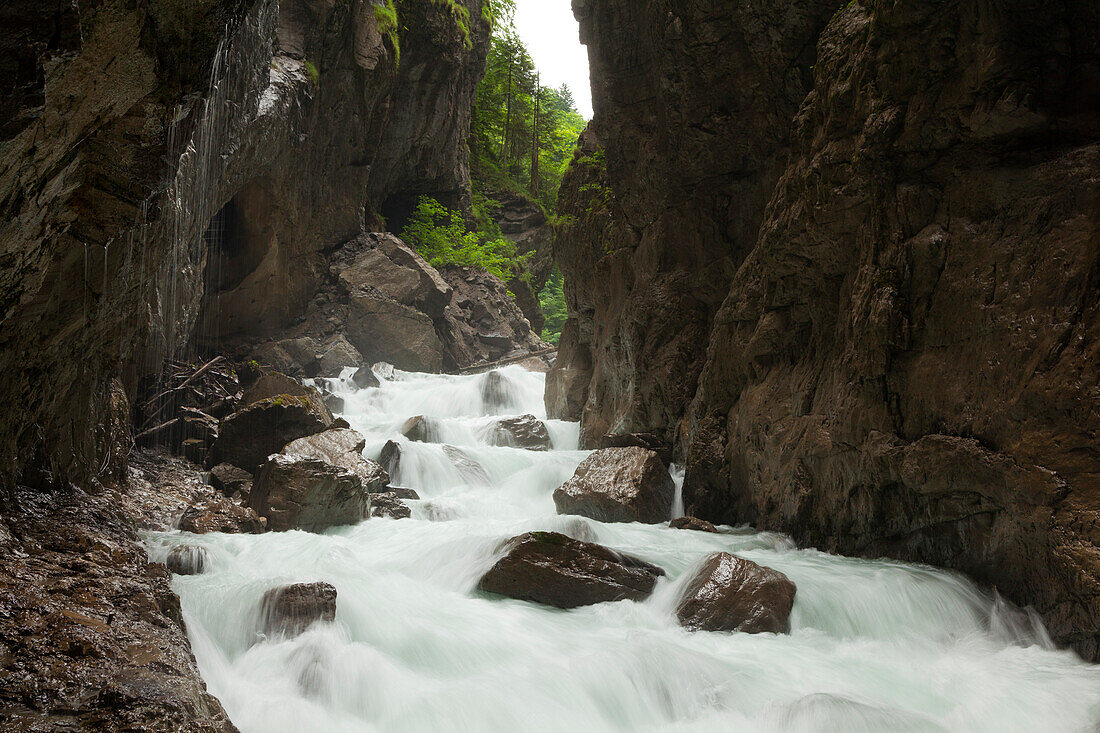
x: 874, y: 645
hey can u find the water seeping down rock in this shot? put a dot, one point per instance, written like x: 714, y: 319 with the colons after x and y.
x: 853, y: 248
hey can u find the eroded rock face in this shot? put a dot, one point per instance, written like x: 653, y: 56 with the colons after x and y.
x: 230, y: 480
x: 618, y: 485
x: 525, y: 431
x: 294, y: 492
x: 291, y: 609
x: 557, y: 570
x: 730, y: 593
x: 343, y: 448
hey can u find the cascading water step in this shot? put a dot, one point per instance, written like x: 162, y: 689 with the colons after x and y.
x: 415, y: 646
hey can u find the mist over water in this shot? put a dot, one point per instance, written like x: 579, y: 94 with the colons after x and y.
x: 874, y: 645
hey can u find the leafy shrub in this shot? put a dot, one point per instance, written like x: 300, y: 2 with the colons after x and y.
x: 441, y: 237
x: 552, y: 302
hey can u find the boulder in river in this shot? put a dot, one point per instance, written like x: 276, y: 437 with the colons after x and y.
x: 291, y: 609
x: 699, y: 525
x: 250, y: 435
x: 557, y: 570
x: 219, y: 514
x: 649, y: 441
x: 389, y: 504
x: 470, y: 470
x: 391, y: 457
x: 730, y: 593
x: 498, y: 393
x: 294, y: 492
x: 419, y: 429
x: 399, y: 492
x: 187, y: 560
x: 364, y: 378
x: 344, y: 448
x: 525, y: 431
x: 618, y: 485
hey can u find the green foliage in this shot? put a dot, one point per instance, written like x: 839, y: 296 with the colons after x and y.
x: 385, y: 15
x: 441, y: 237
x: 314, y: 74
x: 461, y: 15
x: 523, y: 133
x: 552, y: 302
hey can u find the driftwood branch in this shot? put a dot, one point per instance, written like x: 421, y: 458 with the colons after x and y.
x: 503, y: 362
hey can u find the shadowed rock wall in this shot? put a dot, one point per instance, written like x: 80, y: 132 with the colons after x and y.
x: 904, y: 361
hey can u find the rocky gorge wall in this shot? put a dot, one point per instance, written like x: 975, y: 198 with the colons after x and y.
x: 178, y: 169
x: 854, y: 275
x: 173, y: 175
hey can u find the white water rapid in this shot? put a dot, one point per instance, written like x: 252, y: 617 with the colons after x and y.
x: 874, y: 645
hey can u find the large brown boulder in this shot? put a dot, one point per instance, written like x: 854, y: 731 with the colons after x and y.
x: 556, y: 570
x: 266, y: 426
x: 341, y: 447
x: 649, y: 441
x: 619, y: 485
x: 291, y: 609
x: 693, y: 523
x: 730, y: 593
x: 381, y: 261
x: 230, y: 480
x: 386, y: 330
x: 308, y: 494
x: 419, y: 429
x: 389, y: 504
x: 219, y: 514
x: 525, y: 431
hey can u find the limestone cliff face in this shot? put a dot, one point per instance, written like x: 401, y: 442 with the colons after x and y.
x: 164, y: 165
x: 905, y: 358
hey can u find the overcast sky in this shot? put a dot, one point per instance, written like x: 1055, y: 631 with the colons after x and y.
x: 550, y: 32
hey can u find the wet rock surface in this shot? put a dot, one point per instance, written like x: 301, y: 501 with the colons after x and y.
x: 81, y: 609
x: 618, y: 485
x: 187, y: 560
x: 525, y: 431
x: 470, y: 470
x: 649, y: 441
x: 231, y: 480
x: 219, y: 514
x: 693, y: 523
x: 293, y: 492
x: 343, y: 448
x: 557, y: 570
x: 730, y: 593
x: 419, y: 429
x: 388, y: 504
x: 291, y: 609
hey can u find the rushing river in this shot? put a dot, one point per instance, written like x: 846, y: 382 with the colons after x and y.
x: 874, y: 645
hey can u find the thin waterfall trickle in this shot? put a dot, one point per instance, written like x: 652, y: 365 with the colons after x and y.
x: 875, y: 645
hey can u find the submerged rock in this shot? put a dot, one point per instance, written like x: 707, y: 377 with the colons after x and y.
x: 187, y: 560
x: 294, y: 492
x: 389, y: 504
x: 291, y: 609
x: 618, y: 485
x: 343, y: 448
x: 251, y: 434
x: 730, y: 593
x: 525, y: 431
x: 557, y: 570
x: 468, y: 468
x: 699, y: 525
x: 220, y: 514
x: 498, y: 393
